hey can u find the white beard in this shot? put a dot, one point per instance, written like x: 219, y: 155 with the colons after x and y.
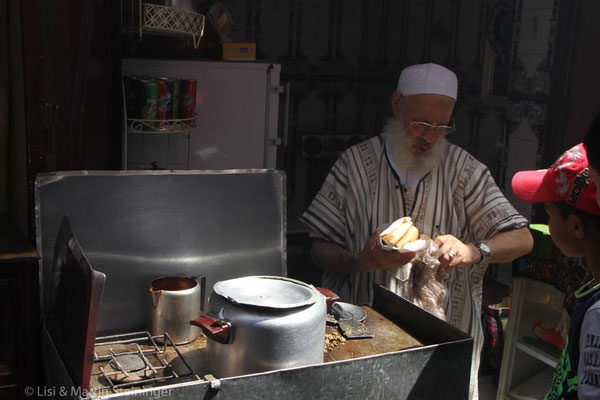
x: 396, y: 142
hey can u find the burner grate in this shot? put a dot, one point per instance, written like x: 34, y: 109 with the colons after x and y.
x: 134, y: 360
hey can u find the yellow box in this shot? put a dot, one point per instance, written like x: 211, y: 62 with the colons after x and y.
x: 239, y: 51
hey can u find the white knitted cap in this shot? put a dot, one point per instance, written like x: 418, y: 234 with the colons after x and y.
x: 427, y: 79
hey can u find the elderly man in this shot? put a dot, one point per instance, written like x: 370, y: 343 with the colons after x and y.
x: 411, y: 170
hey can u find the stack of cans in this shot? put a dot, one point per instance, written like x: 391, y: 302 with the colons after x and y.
x: 155, y: 101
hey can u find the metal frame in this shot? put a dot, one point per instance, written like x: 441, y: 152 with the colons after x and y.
x: 439, y: 369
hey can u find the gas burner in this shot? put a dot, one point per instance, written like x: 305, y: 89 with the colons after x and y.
x: 134, y: 360
x: 128, y: 362
x: 131, y: 368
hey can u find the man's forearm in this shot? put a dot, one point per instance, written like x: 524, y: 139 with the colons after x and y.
x: 506, y: 246
x: 332, y: 257
x: 335, y: 258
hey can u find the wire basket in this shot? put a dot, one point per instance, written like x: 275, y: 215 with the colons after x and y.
x: 170, y: 20
x: 138, y: 125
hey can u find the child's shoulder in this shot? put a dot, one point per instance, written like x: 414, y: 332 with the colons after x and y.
x: 593, y: 300
x: 588, y: 298
x: 596, y: 305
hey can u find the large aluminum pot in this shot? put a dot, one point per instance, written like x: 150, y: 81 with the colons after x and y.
x: 175, y: 299
x: 262, y: 323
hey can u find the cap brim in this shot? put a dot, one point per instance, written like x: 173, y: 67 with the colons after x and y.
x: 530, y: 186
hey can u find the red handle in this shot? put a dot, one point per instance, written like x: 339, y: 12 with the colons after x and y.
x: 218, y: 331
x: 330, y: 297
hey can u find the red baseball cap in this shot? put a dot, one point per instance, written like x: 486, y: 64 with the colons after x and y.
x: 566, y: 180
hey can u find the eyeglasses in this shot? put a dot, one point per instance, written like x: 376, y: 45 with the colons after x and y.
x: 422, y: 128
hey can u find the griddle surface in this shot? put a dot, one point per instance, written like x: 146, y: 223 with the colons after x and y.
x: 387, y: 337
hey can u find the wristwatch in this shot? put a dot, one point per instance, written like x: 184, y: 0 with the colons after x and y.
x: 484, y: 249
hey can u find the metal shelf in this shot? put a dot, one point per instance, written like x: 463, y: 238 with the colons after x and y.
x: 535, y: 387
x: 164, y: 20
x: 135, y: 125
x: 149, y: 130
x: 527, y: 362
x: 539, y: 350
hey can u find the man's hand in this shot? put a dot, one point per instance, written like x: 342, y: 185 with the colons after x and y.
x: 330, y: 256
x: 374, y: 257
x: 505, y: 246
x: 452, y: 252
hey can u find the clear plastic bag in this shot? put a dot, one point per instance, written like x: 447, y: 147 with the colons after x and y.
x: 421, y: 280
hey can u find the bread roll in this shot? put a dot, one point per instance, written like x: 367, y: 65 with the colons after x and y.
x: 397, y: 232
x: 401, y: 232
x: 411, y: 236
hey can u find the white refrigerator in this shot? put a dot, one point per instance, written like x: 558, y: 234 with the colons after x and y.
x: 237, y: 108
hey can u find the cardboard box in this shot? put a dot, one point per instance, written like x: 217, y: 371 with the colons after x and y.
x: 221, y: 20
x: 239, y: 51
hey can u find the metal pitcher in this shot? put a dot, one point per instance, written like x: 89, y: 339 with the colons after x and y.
x: 175, y: 301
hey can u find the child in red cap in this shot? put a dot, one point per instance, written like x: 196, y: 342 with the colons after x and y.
x: 569, y: 197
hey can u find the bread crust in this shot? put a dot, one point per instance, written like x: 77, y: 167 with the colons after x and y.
x: 410, y: 236
x: 397, y: 232
x: 401, y: 233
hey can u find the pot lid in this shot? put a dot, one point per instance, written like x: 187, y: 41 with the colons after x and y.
x: 267, y: 291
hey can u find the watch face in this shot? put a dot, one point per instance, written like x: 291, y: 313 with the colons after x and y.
x: 484, y: 249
